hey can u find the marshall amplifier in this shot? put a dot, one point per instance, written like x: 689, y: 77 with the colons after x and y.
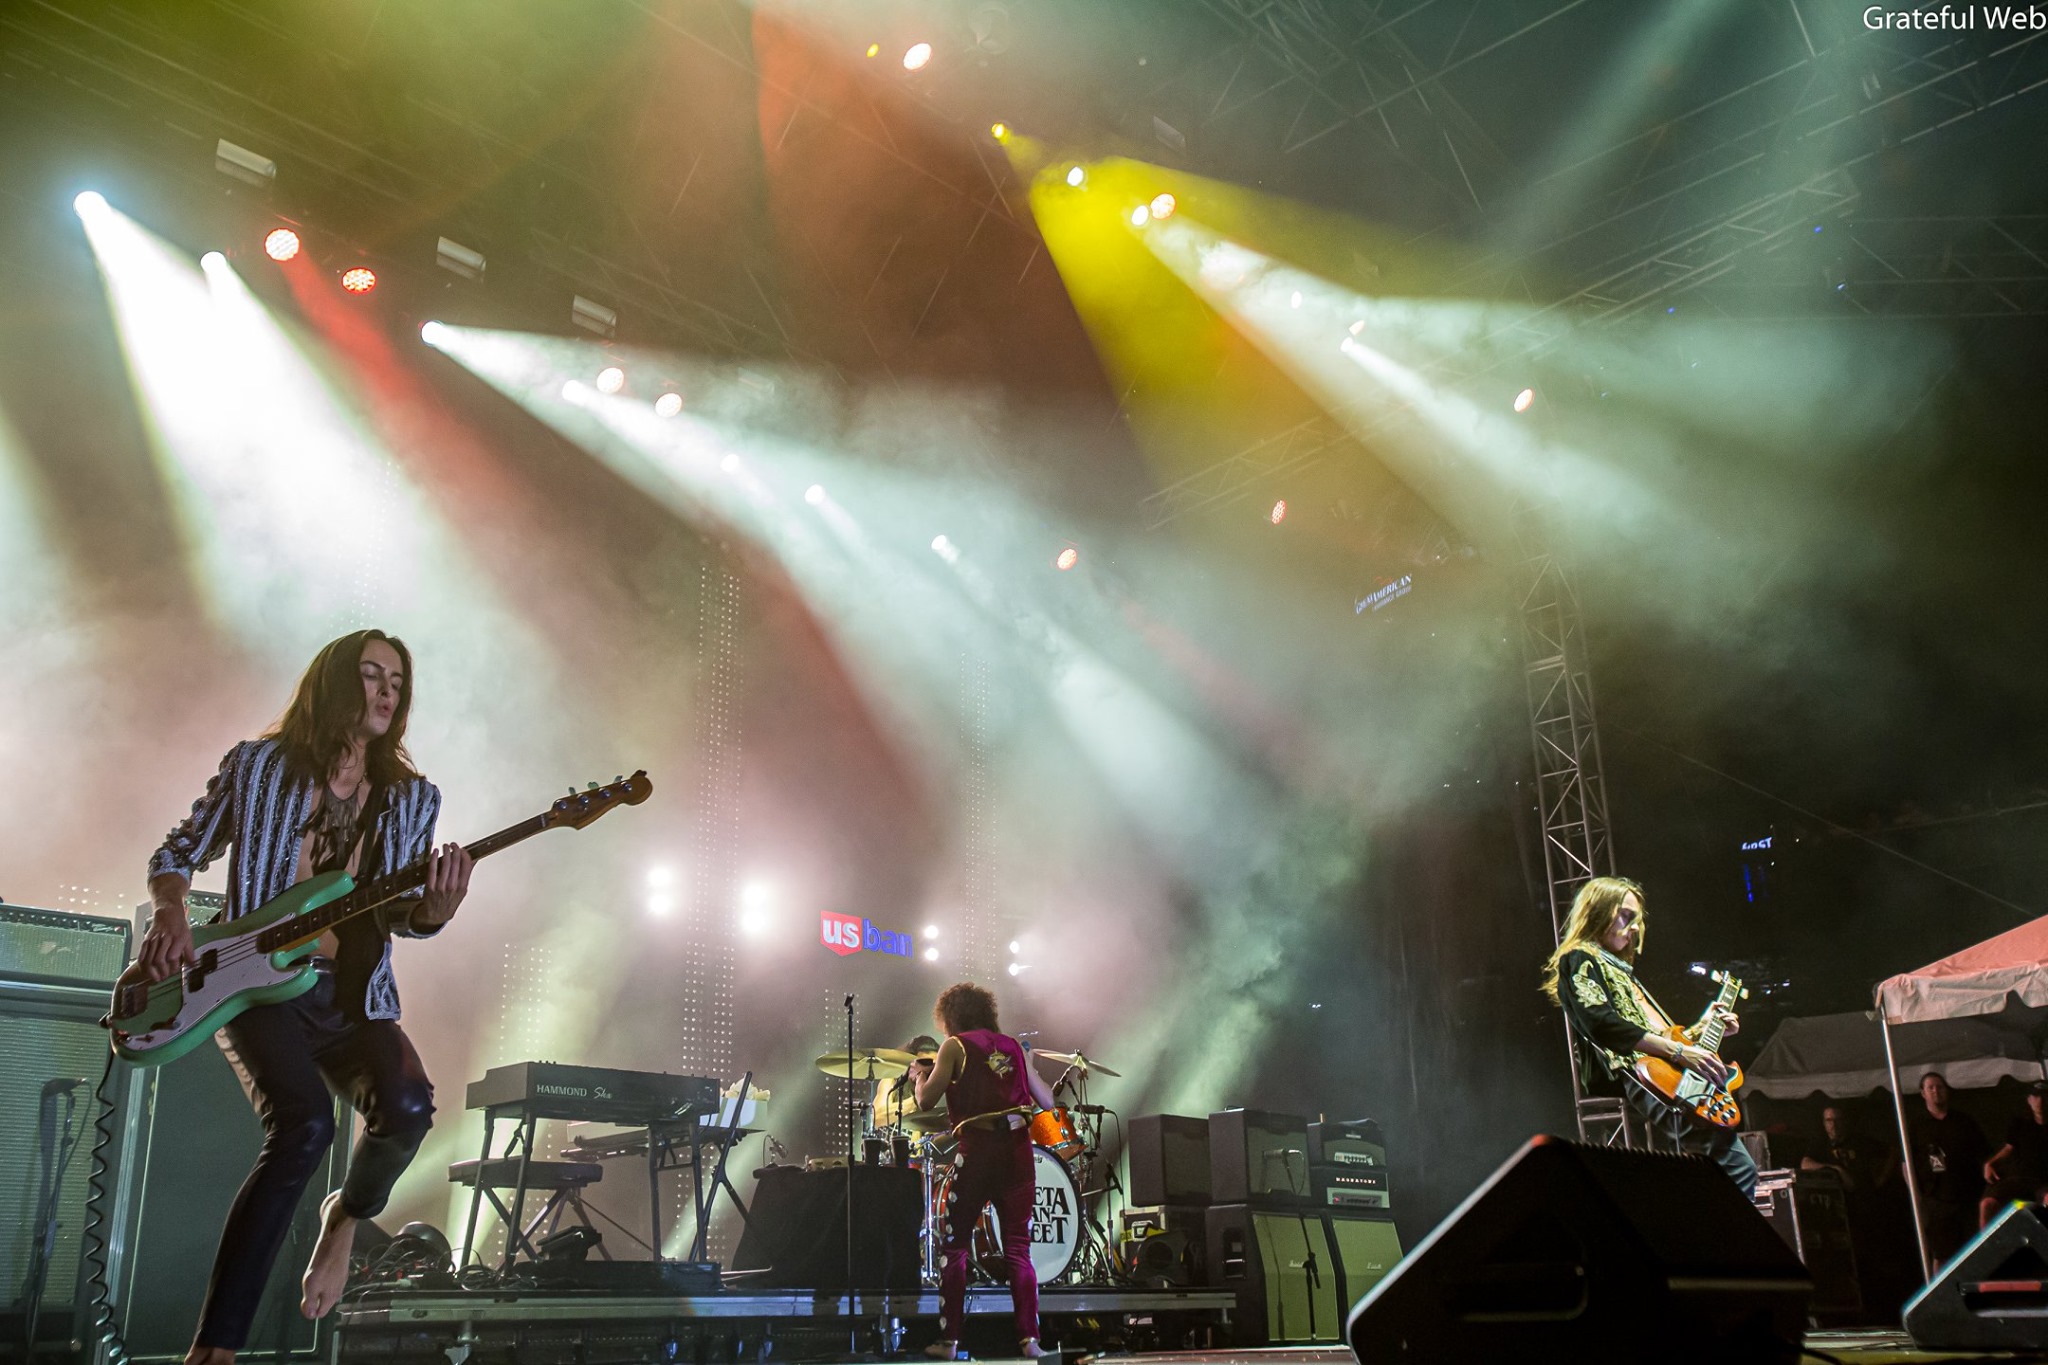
x: 1350, y: 1143
x: 1341, y: 1187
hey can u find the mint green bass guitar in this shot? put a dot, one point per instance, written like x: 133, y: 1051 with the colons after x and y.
x: 263, y: 957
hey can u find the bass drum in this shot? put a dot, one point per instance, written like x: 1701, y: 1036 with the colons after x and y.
x: 1055, y: 1223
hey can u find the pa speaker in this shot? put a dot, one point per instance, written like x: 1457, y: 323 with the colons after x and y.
x: 1570, y: 1252
x: 1993, y: 1294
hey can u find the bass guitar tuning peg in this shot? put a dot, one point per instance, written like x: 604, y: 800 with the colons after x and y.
x: 590, y: 786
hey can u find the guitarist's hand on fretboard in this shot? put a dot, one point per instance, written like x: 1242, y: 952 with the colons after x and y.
x: 448, y: 869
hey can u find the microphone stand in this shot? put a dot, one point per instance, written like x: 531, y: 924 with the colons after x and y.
x: 852, y: 1329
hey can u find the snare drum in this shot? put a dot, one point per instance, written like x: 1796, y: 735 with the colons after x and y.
x: 1055, y: 1223
x: 1054, y: 1129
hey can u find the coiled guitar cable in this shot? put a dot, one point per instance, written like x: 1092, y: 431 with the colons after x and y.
x: 98, y: 1193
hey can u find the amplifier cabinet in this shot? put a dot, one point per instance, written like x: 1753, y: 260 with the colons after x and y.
x: 1297, y: 1272
x: 58, y: 948
x: 1257, y: 1157
x: 1169, y: 1160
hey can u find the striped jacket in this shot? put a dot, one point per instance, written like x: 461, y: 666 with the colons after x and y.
x: 256, y: 808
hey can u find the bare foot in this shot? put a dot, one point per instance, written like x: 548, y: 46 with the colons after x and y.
x: 209, y: 1355
x: 327, y: 1272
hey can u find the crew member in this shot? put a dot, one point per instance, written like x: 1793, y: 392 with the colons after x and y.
x: 330, y: 787
x: 1949, y: 1156
x: 990, y: 1092
x: 2019, y: 1169
x: 1592, y: 975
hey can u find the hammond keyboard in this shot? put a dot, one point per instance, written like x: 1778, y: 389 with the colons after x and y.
x: 593, y: 1094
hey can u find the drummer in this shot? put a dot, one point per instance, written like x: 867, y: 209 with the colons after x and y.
x: 896, y: 1096
x: 990, y: 1092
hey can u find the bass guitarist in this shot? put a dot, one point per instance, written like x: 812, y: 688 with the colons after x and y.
x: 1614, y: 1020
x: 329, y: 787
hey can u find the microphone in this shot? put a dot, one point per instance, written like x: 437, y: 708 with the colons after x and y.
x: 63, y: 1085
x: 1090, y: 1109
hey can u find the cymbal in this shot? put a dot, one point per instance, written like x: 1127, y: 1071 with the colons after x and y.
x: 1075, y: 1059
x: 923, y: 1121
x: 866, y: 1063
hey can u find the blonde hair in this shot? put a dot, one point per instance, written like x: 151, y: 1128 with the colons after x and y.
x: 1592, y: 915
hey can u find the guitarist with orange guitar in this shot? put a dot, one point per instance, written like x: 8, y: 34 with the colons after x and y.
x: 1628, y: 1044
x: 329, y: 788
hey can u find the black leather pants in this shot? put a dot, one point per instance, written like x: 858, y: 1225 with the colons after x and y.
x: 292, y: 1059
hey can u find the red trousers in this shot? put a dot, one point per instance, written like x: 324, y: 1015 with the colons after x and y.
x: 993, y: 1170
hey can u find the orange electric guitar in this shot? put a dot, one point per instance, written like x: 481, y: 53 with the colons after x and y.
x: 1711, y: 1103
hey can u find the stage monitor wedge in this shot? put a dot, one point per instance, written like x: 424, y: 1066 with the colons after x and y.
x: 1993, y: 1294
x: 1571, y: 1252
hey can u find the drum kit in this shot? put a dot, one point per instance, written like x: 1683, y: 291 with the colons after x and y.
x: 1071, y: 1174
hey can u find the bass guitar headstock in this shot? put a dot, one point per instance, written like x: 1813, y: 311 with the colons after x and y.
x: 580, y: 808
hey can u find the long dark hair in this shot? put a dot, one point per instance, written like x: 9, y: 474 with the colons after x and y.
x: 314, y: 729
x: 1593, y: 912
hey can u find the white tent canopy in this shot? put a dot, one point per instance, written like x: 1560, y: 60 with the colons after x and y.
x: 1842, y: 1055
x: 1980, y: 979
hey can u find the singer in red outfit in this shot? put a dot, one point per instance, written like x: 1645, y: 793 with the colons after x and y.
x: 990, y: 1092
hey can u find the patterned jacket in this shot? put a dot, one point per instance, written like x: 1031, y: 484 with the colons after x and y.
x: 257, y: 809
x: 1606, y: 1007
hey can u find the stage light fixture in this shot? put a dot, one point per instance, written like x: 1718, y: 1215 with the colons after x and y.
x: 874, y: 49
x: 730, y: 464
x: 1016, y: 967
x: 931, y: 955
x: 457, y: 259
x: 661, y: 905
x: 1014, y: 948
x: 999, y: 131
x: 281, y: 245
x: 360, y: 280
x: 1067, y: 559
x: 1140, y: 216
x: 1279, y: 512
x: 592, y: 316
x: 1294, y: 299
x: 243, y: 164
x: 433, y: 333
x: 660, y: 878
x: 1163, y: 205
x: 213, y: 260
x: 1357, y: 327
x: 1524, y: 399
x: 87, y: 202
x: 931, y: 931
x: 573, y: 391
x: 815, y: 494
x: 918, y: 57
x: 945, y: 549
x: 668, y: 405
x: 1076, y: 176
x: 611, y: 379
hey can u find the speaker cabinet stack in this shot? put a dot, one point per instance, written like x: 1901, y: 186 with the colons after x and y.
x: 184, y: 1140
x: 1164, y: 1240
x: 1586, y: 1253
x: 55, y: 970
x: 1297, y: 1258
